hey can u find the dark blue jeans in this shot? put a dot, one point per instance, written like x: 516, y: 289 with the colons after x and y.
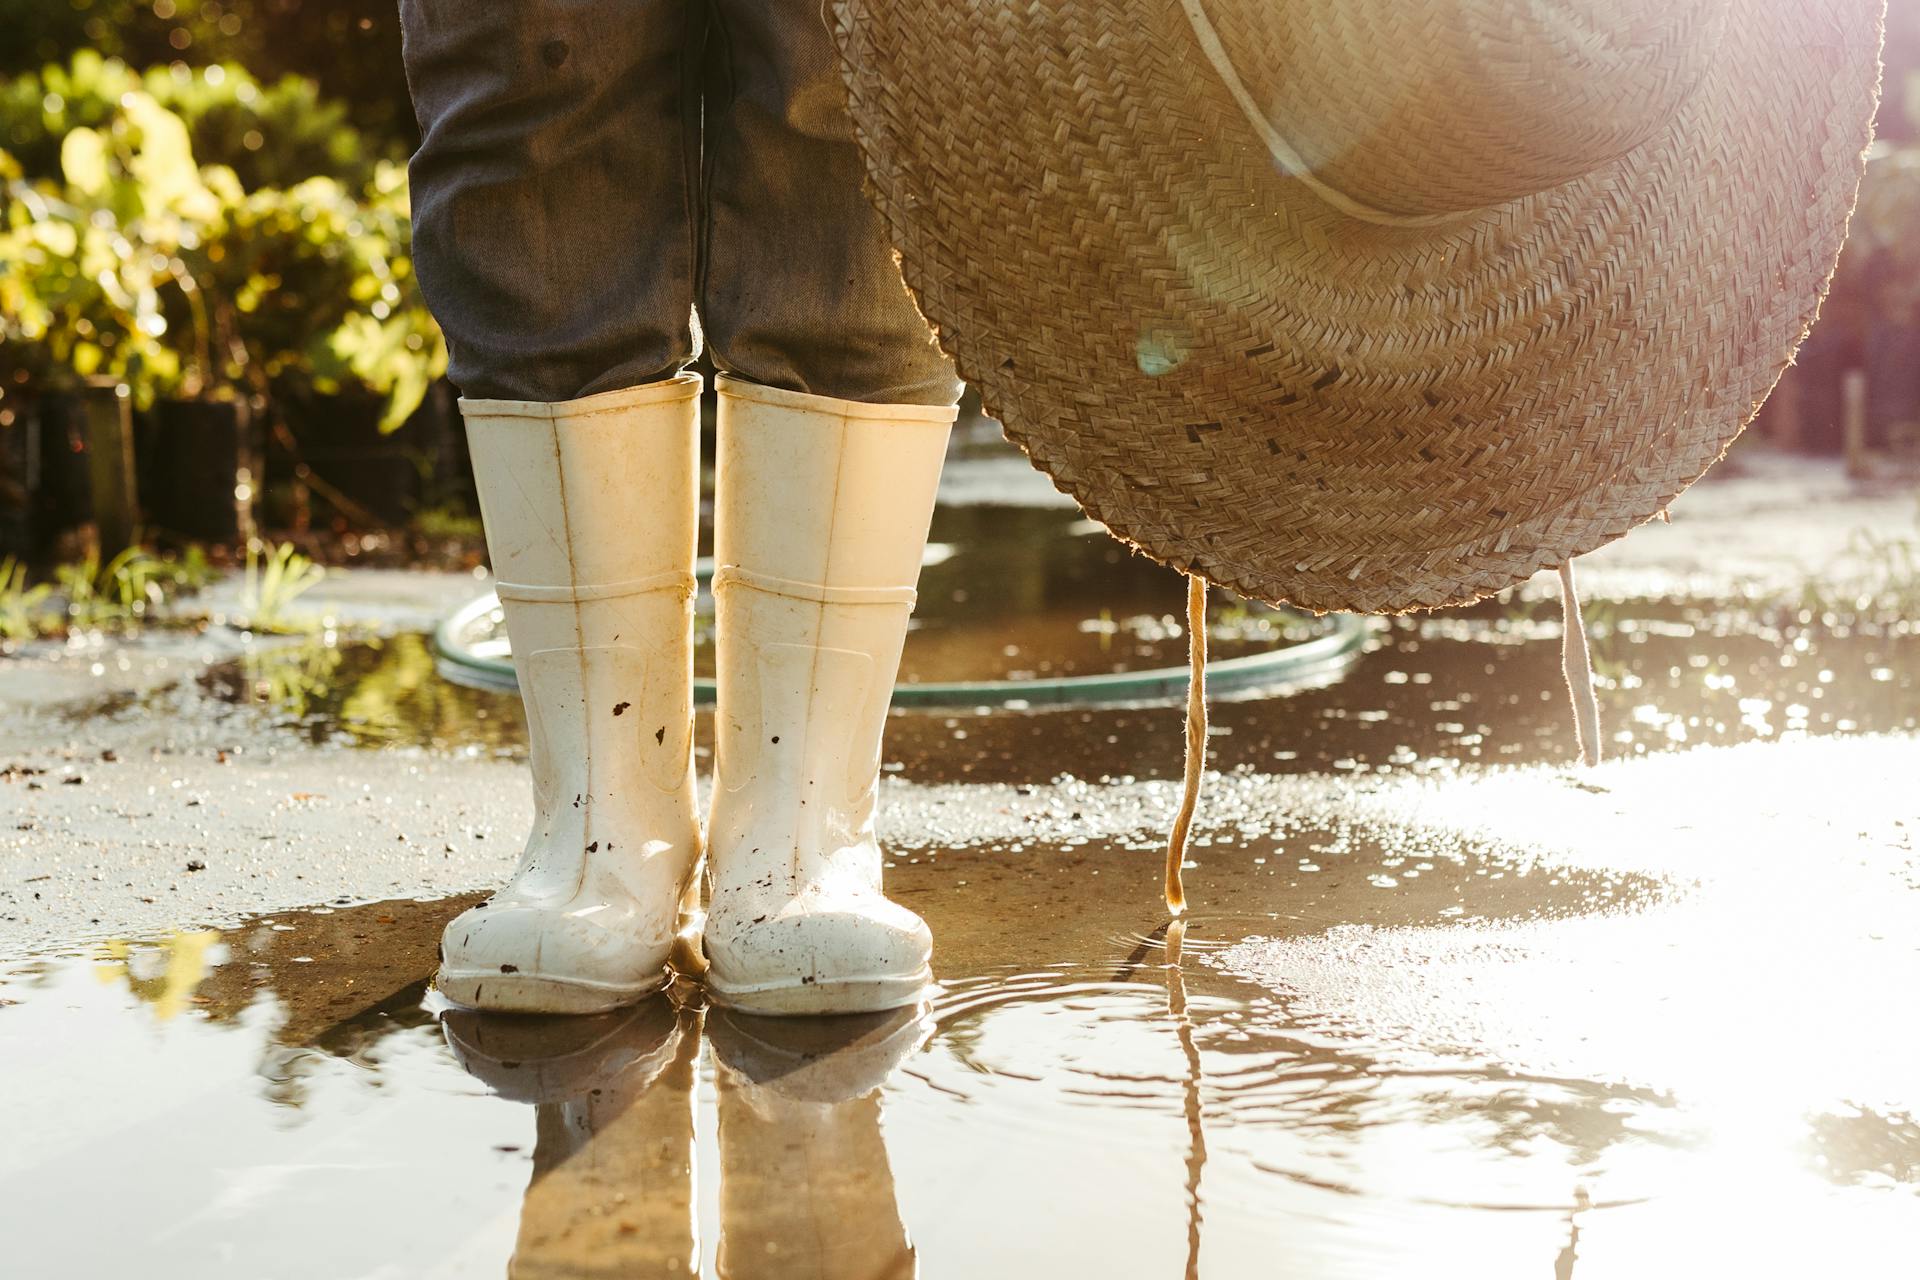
x: 604, y: 183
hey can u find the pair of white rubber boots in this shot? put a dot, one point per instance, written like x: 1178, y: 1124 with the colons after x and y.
x: 822, y: 508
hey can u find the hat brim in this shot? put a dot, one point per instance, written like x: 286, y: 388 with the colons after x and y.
x: 1309, y: 408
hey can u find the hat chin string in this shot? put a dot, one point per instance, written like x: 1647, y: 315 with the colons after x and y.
x: 1576, y: 664
x: 1196, y: 757
x: 1283, y: 153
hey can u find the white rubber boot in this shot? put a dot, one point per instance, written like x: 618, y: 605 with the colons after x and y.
x: 821, y: 515
x: 591, y: 508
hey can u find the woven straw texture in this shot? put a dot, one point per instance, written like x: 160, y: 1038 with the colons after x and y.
x: 1344, y: 412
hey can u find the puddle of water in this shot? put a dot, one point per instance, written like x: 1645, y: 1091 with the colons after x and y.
x: 1501, y: 1066
x: 1014, y: 593
x: 1018, y: 593
x: 1481, y: 685
x: 373, y: 693
x: 1011, y: 593
x: 1449, y: 1022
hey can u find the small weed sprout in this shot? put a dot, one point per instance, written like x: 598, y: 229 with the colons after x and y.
x: 79, y: 583
x: 134, y: 587
x: 190, y: 571
x: 1877, y: 571
x: 276, y: 577
x: 1892, y: 567
x: 20, y: 616
x: 134, y: 582
x: 117, y: 596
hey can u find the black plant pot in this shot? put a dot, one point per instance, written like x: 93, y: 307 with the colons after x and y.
x: 19, y: 460
x: 199, y: 468
x: 440, y: 440
x: 47, y: 458
x: 340, y: 441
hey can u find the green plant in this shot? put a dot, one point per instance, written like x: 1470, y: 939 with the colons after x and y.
x: 351, y: 48
x: 1889, y: 568
x: 317, y: 288
x: 188, y: 571
x: 76, y: 299
x: 269, y: 135
x: 20, y: 605
x: 274, y: 581
x: 87, y: 610
x: 118, y: 595
x: 141, y: 265
x: 135, y: 582
x: 86, y: 260
x: 127, y: 590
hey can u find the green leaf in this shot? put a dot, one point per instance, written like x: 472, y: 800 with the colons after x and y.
x: 164, y: 162
x: 409, y: 389
x: 57, y: 238
x: 83, y: 161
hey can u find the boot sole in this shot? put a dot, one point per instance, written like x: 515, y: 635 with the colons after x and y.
x: 802, y: 997
x: 495, y: 992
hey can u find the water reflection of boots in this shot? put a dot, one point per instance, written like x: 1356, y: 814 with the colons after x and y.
x: 612, y: 1186
x: 806, y: 1190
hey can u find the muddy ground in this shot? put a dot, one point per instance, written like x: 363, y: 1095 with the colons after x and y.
x: 1446, y: 1003
x: 137, y: 800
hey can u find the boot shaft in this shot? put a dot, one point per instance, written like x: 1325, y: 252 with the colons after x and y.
x: 821, y: 515
x: 591, y: 508
x: 591, y: 511
x: 825, y: 492
x: 597, y: 496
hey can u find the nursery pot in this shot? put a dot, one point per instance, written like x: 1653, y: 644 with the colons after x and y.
x: 46, y: 463
x: 342, y: 445
x: 200, y: 470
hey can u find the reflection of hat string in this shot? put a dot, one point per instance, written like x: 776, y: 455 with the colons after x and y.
x: 1194, y: 1107
x: 1576, y: 664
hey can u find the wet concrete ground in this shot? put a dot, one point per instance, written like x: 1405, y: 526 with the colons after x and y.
x: 1446, y: 1006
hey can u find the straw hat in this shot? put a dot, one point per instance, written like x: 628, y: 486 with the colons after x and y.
x: 1367, y: 304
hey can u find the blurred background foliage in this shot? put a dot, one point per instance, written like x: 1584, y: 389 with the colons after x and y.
x: 348, y: 49
x: 207, y: 202
x: 269, y: 135
x: 199, y: 236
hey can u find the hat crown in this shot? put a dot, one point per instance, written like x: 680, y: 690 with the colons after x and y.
x: 1446, y: 106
